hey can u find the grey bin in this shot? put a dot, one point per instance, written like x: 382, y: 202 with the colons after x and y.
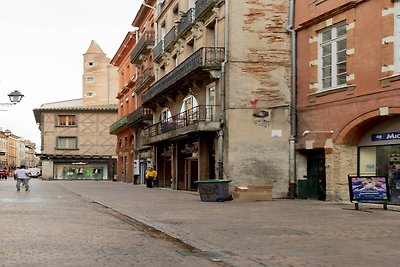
x: 214, y: 190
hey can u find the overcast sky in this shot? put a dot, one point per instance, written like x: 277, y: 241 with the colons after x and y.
x: 42, y: 43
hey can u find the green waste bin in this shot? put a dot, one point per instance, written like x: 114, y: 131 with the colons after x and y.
x: 214, y: 190
x: 302, y: 188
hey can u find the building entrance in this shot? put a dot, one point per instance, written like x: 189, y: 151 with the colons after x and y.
x: 316, y: 175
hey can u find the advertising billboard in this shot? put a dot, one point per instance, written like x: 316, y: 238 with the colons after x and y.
x: 369, y: 188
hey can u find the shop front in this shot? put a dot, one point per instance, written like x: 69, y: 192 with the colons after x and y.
x: 82, y: 170
x: 379, y: 155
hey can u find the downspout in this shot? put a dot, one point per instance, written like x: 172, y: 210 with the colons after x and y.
x: 221, y: 131
x: 293, y: 114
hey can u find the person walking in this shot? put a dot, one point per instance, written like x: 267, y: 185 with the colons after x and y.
x: 22, y: 175
x: 4, y: 174
x: 151, y: 175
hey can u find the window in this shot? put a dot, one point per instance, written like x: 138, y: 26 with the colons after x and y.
x: 165, y: 114
x: 210, y: 101
x: 66, y: 120
x: 332, y: 57
x: 90, y: 63
x: 66, y: 142
x: 90, y: 79
x: 397, y: 36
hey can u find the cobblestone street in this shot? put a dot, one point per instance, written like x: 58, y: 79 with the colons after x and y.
x: 89, y: 223
x: 50, y: 226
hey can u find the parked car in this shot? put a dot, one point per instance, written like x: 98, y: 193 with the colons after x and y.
x: 35, y: 172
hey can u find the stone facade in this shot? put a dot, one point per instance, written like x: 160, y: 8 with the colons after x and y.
x: 220, y: 105
x: 76, y: 143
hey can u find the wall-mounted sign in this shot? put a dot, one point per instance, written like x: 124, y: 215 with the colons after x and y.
x: 192, y: 148
x: 385, y: 136
x: 136, y: 170
x: 369, y: 188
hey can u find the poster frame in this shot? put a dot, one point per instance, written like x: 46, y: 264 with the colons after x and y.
x: 374, y: 199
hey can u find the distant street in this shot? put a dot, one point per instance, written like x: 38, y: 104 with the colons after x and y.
x: 51, y: 226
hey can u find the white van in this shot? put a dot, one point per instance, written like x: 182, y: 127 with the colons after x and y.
x: 35, y: 172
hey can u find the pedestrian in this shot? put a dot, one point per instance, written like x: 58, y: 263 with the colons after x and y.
x: 151, y: 175
x: 4, y: 174
x: 22, y: 175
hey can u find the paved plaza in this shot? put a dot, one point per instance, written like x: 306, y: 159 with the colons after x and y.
x: 234, y: 233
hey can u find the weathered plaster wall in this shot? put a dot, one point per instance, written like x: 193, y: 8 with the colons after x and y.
x: 258, y: 77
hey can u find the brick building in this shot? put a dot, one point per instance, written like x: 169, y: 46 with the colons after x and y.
x: 220, y: 106
x: 347, y: 93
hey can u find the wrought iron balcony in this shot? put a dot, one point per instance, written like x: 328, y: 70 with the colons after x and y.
x: 119, y: 125
x: 203, y: 6
x: 204, y: 58
x: 170, y: 38
x: 143, y: 46
x: 147, y: 75
x: 193, y: 116
x: 186, y: 22
x: 158, y: 50
x: 139, y: 117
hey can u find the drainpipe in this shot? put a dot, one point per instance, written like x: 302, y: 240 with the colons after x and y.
x: 223, y: 84
x: 293, y: 115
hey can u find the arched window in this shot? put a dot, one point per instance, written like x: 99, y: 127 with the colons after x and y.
x: 189, y: 109
x: 189, y: 102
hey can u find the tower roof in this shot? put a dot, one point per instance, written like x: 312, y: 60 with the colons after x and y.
x: 94, y: 48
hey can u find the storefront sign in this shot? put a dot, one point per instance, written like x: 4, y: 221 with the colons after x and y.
x: 189, y: 149
x: 369, y: 188
x: 385, y: 136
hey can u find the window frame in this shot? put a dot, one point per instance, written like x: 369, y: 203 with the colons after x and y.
x: 66, y: 147
x: 333, y: 42
x: 67, y: 117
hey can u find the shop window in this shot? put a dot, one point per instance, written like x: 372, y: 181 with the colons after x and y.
x: 80, y: 170
x: 66, y: 142
x: 382, y: 161
x: 332, y: 57
x: 66, y: 120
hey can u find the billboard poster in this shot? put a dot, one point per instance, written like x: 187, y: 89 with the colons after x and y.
x: 369, y: 188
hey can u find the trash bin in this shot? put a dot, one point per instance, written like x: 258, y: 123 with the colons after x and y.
x: 214, y: 190
x: 302, y: 188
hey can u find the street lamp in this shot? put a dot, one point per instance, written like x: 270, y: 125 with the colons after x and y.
x: 15, y: 97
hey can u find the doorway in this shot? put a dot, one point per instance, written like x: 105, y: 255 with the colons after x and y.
x: 191, y: 174
x: 316, y: 175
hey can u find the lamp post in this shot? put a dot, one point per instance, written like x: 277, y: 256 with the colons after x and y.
x: 15, y: 97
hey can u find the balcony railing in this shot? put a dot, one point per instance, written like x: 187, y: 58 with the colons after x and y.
x: 144, y: 44
x: 119, y: 124
x: 202, y: 6
x: 183, y: 119
x: 139, y: 116
x: 206, y: 57
x: 147, y: 75
x: 186, y: 22
x: 158, y: 50
x: 170, y: 38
